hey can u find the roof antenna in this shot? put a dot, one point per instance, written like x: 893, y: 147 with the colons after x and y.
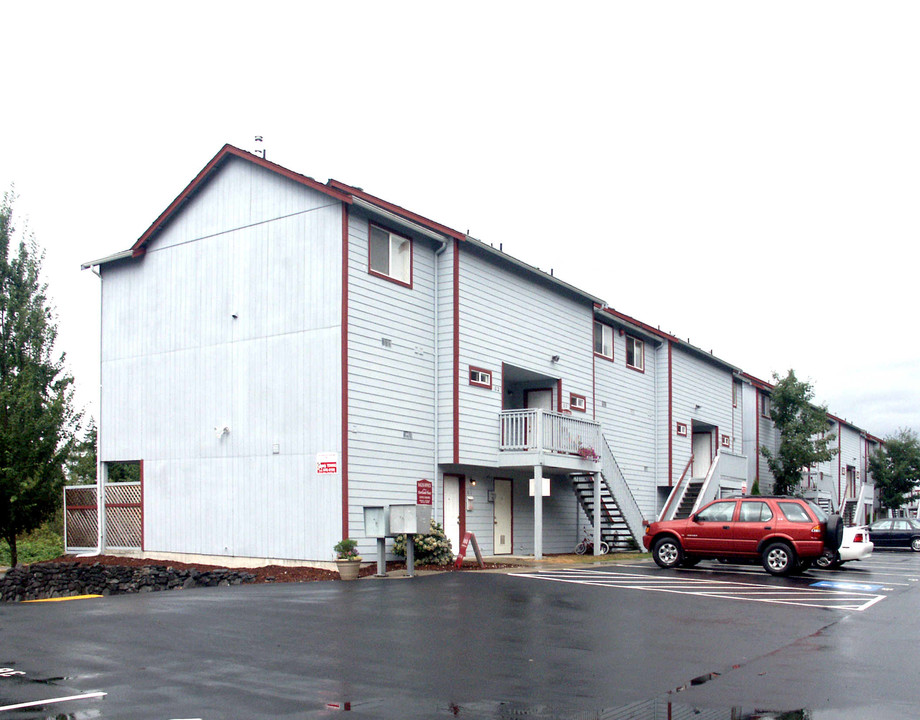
x: 260, y: 149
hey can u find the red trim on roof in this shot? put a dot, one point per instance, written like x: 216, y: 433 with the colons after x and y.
x: 641, y: 325
x: 397, y: 210
x: 216, y: 162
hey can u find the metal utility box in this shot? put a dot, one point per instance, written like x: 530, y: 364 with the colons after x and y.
x: 410, y: 519
x: 375, y: 522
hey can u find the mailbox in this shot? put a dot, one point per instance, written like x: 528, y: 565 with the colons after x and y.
x: 410, y: 519
x: 375, y: 522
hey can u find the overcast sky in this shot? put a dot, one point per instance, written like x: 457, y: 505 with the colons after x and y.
x: 744, y: 175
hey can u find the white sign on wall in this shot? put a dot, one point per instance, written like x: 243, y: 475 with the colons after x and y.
x: 327, y: 463
x: 545, y: 486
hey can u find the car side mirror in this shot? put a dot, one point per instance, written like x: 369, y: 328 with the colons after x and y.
x: 694, y: 518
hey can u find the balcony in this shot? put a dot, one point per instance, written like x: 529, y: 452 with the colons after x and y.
x: 555, y: 440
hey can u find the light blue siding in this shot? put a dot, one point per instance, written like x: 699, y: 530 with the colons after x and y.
x: 176, y: 365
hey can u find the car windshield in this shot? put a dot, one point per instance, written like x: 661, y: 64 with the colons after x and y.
x: 819, y: 513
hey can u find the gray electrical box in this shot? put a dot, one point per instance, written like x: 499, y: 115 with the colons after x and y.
x: 410, y: 519
x: 375, y: 522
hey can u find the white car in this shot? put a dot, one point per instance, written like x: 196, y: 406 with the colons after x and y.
x: 855, y: 546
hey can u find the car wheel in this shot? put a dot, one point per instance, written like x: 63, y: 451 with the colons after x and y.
x: 778, y: 559
x: 834, y: 535
x: 667, y: 552
x: 915, y: 544
x: 828, y: 560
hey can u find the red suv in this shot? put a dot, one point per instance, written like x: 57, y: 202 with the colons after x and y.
x: 784, y: 533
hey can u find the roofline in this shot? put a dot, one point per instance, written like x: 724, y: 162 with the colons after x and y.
x: 644, y: 327
x: 123, y: 255
x: 357, y: 192
x: 227, y: 151
x: 545, y: 276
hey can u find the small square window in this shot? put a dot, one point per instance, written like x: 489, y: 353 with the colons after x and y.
x: 682, y: 429
x: 603, y: 340
x: 577, y: 402
x: 726, y: 441
x: 390, y: 255
x: 480, y: 377
x: 635, y: 353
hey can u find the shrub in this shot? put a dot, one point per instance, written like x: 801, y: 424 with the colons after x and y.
x: 431, y: 549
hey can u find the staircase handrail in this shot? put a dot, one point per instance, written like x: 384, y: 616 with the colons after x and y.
x: 709, y: 489
x: 677, y: 494
x: 619, y: 489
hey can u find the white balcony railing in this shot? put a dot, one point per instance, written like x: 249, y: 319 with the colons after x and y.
x: 538, y: 430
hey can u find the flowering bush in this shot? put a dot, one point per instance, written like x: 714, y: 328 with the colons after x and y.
x: 430, y: 549
x: 588, y: 453
x: 346, y: 549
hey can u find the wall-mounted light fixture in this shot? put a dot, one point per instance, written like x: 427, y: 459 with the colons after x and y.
x: 555, y: 358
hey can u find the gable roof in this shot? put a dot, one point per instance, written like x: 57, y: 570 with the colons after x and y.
x: 225, y: 153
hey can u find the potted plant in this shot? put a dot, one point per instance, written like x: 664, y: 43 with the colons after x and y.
x: 347, y: 559
x: 588, y: 453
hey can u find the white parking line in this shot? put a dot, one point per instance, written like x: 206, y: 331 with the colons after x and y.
x: 34, y: 703
x: 803, y: 597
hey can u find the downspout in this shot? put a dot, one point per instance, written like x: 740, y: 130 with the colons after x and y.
x: 437, y: 381
x: 670, y: 420
x: 100, y: 483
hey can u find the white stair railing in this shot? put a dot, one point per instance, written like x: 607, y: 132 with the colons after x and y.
x: 622, y: 495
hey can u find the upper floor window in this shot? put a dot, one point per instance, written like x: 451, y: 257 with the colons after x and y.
x: 635, y: 353
x: 480, y: 377
x: 390, y: 255
x: 736, y: 393
x: 603, y: 340
x: 765, y: 406
x: 577, y: 402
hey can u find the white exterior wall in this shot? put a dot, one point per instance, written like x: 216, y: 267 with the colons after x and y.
x: 626, y: 407
x: 701, y: 392
x: 508, y: 318
x: 176, y: 365
x: 390, y: 389
x: 850, y: 454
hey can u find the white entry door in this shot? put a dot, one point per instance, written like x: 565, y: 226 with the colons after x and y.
x: 702, y: 454
x: 502, y: 509
x: 539, y: 399
x: 452, y: 511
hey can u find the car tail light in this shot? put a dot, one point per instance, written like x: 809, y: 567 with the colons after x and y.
x: 858, y: 537
x: 817, y: 530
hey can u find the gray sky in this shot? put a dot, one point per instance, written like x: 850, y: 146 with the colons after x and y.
x: 744, y: 175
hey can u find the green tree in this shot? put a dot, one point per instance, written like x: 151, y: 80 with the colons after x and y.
x: 895, y: 468
x: 37, y: 419
x: 81, y: 465
x: 802, y: 426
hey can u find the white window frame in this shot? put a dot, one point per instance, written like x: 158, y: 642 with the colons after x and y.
x: 637, y: 345
x: 480, y: 378
x: 606, y: 340
x: 398, y: 265
x: 578, y: 402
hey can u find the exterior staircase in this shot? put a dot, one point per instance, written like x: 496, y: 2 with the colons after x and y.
x: 689, y: 498
x: 849, y: 512
x: 614, y: 529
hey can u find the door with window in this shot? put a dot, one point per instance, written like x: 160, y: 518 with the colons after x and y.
x: 502, y: 540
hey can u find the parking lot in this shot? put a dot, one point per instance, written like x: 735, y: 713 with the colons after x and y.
x: 596, y: 640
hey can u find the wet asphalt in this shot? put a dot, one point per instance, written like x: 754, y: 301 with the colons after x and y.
x: 621, y: 640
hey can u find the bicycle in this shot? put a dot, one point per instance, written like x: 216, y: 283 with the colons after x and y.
x: 587, y: 546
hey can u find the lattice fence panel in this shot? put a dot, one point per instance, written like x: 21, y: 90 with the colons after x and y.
x: 80, y: 518
x: 124, y: 516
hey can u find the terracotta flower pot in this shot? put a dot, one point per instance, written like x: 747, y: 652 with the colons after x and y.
x: 348, y: 569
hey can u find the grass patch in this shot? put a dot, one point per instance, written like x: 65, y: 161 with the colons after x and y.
x: 45, y: 543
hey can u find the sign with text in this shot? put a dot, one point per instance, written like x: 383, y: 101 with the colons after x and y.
x: 423, y: 492
x: 327, y: 463
x: 464, y: 545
